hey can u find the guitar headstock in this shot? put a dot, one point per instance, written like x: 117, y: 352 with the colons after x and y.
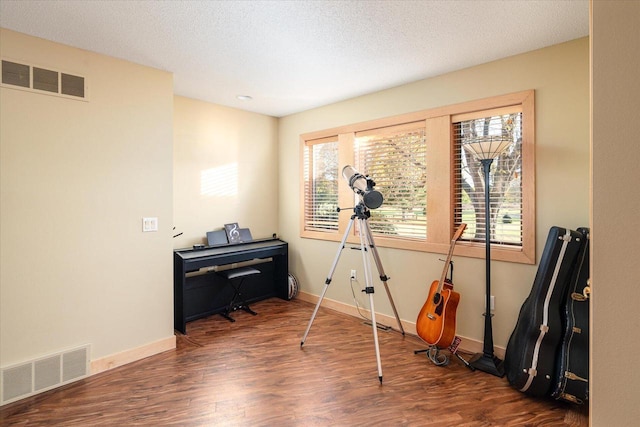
x: 459, y: 232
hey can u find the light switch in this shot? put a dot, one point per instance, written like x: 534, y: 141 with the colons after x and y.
x: 150, y: 224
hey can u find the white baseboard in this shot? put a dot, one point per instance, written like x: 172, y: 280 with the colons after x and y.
x: 132, y: 355
x: 467, y: 345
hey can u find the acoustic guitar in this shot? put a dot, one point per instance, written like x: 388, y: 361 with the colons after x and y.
x: 436, y: 323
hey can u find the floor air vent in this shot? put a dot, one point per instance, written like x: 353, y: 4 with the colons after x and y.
x: 36, y: 376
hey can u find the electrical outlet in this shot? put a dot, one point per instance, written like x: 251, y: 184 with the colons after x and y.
x: 353, y: 274
x: 493, y: 302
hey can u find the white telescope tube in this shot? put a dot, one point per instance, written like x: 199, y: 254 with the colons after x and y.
x: 360, y: 185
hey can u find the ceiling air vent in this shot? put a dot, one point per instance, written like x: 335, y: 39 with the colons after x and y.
x: 42, y: 80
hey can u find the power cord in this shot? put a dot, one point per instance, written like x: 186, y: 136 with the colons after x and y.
x: 357, y: 304
x: 355, y: 300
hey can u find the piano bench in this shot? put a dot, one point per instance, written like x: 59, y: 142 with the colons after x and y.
x: 235, y: 277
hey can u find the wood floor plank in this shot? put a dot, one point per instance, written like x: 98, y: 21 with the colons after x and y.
x: 254, y: 372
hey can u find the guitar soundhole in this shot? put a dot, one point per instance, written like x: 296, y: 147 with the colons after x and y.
x: 439, y: 308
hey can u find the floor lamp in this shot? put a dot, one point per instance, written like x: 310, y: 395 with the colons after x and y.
x: 486, y: 150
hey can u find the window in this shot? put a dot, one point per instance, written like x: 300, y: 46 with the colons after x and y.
x: 321, y: 185
x: 505, y: 183
x: 429, y: 182
x: 396, y: 158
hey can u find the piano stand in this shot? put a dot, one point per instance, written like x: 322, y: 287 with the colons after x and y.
x: 199, y: 292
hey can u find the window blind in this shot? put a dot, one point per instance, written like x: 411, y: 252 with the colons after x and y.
x: 321, y: 185
x: 395, y: 158
x: 505, y: 181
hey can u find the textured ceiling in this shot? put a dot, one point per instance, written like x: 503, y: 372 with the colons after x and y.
x: 291, y: 56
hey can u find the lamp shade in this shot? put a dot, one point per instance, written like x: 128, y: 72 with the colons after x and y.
x: 487, y: 147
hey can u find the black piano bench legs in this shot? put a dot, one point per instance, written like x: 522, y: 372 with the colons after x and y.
x: 236, y: 278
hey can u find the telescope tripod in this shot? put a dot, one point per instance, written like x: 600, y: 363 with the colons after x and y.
x: 368, y: 250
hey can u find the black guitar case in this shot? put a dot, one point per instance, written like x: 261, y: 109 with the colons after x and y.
x: 572, y: 376
x: 530, y: 357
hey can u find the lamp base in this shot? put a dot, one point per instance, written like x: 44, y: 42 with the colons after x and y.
x: 489, y: 364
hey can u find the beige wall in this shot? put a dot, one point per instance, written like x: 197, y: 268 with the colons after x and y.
x: 76, y: 179
x: 560, y: 77
x: 225, y: 166
x: 66, y: 282
x: 615, y: 51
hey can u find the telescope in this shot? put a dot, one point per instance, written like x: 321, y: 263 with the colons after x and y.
x: 371, y: 199
x: 363, y: 186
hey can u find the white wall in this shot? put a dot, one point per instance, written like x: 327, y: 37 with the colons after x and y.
x: 560, y: 77
x: 615, y: 320
x: 76, y: 179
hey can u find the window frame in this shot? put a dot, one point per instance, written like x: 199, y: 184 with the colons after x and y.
x: 440, y: 176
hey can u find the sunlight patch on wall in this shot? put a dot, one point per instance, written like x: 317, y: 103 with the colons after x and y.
x: 220, y: 181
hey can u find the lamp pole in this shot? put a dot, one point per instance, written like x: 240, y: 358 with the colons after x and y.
x: 487, y: 361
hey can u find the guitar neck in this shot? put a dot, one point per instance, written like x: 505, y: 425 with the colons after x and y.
x: 446, y: 266
x: 455, y: 238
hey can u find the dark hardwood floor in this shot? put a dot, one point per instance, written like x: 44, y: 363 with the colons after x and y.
x: 254, y: 373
